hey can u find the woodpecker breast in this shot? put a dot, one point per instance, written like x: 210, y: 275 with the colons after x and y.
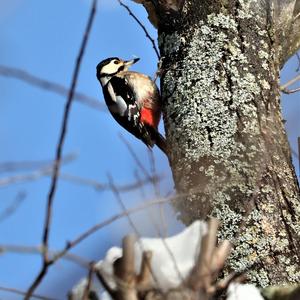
x: 146, y: 95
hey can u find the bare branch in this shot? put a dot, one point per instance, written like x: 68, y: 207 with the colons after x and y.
x: 58, y: 156
x: 135, y: 157
x: 122, y: 206
x: 12, y: 166
x: 219, y: 256
x: 155, y: 185
x: 139, y: 180
x: 98, y: 186
x: 39, y: 250
x: 210, y: 262
x: 144, y: 278
x: 50, y: 86
x: 108, y: 289
x: 154, y: 180
x: 201, y: 276
x: 106, y: 222
x: 8, y: 211
x: 22, y: 293
x: 128, y: 242
x: 298, y: 57
x: 128, y: 239
x: 35, y: 175
x: 37, y: 280
x: 89, y: 283
x: 286, y: 91
x: 283, y: 88
x: 126, y: 269
x: 142, y: 26
x: 169, y: 251
x: 25, y: 177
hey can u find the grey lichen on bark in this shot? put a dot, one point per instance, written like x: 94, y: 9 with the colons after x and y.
x: 228, y: 146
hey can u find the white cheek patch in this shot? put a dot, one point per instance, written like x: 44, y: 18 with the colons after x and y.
x: 110, y: 68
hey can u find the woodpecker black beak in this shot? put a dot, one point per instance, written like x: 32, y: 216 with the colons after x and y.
x: 128, y: 63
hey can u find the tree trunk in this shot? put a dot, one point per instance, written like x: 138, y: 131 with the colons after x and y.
x: 229, y: 152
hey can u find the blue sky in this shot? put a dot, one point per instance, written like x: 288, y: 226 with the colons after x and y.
x: 43, y: 37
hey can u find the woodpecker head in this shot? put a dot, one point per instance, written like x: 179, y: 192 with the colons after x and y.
x: 112, y: 66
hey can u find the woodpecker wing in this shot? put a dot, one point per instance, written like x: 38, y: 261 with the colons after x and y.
x: 124, y: 107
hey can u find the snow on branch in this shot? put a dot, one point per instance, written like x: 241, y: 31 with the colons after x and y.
x: 143, y: 269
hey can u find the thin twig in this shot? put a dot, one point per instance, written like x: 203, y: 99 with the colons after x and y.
x: 122, y: 205
x: 8, y: 211
x: 135, y: 157
x: 106, y: 222
x: 298, y: 57
x: 89, y: 283
x: 136, y: 231
x: 46, y: 229
x: 98, y: 186
x: 35, y: 175
x: 105, y: 285
x: 139, y: 181
x: 39, y: 250
x: 154, y: 181
x: 286, y: 91
x: 12, y: 166
x: 155, y: 185
x: 284, y: 87
x: 22, y: 293
x: 53, y: 87
x: 142, y: 26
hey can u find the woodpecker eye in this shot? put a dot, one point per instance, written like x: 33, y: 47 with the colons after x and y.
x: 116, y: 62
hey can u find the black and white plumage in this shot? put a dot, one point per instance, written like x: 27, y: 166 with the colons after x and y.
x: 133, y: 100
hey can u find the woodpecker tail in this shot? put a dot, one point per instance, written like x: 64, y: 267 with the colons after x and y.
x: 158, y: 139
x: 161, y: 143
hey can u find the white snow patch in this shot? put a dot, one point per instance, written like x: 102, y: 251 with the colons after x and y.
x: 238, y: 291
x: 183, y: 246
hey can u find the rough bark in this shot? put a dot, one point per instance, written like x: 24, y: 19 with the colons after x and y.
x: 222, y: 115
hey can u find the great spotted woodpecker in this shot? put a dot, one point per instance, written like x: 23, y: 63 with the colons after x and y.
x: 133, y: 100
